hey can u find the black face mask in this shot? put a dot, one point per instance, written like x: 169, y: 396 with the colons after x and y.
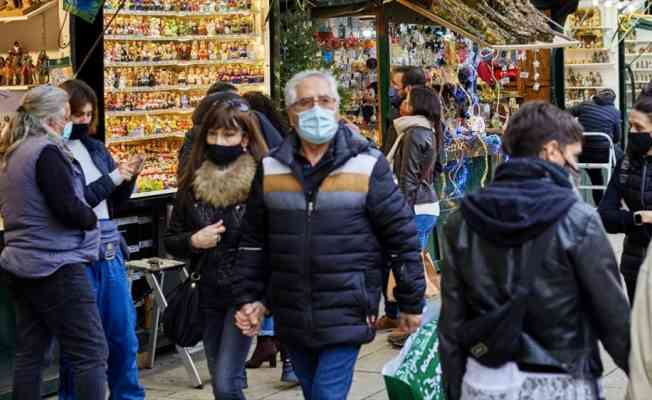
x: 223, y: 155
x: 79, y: 131
x: 640, y: 143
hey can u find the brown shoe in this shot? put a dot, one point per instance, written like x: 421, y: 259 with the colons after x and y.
x: 386, y: 323
x: 398, y: 338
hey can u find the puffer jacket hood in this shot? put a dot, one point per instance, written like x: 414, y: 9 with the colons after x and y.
x: 527, y: 196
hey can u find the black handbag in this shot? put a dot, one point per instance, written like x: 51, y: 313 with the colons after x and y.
x: 495, y: 338
x: 182, y: 319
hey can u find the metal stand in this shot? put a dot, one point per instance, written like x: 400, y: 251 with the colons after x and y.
x: 149, y: 267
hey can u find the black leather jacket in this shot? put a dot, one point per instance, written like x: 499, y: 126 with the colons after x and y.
x: 577, y: 297
x: 414, y: 166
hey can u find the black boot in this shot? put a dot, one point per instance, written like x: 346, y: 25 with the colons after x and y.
x: 288, y: 374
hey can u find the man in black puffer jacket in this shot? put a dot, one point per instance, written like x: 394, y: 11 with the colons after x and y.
x: 322, y: 213
x: 575, y: 297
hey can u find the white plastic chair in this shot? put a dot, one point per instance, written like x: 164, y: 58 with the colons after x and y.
x: 608, y: 166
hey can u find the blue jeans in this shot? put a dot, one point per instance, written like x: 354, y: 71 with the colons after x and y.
x: 425, y: 224
x: 60, y: 306
x: 267, y: 329
x: 226, y: 353
x: 118, y: 314
x: 326, y: 373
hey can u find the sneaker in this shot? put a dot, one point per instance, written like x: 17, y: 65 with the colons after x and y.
x: 398, y: 338
x: 386, y: 323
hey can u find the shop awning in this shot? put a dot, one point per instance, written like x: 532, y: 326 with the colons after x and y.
x: 451, y: 15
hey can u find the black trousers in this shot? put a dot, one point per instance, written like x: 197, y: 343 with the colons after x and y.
x: 634, y: 254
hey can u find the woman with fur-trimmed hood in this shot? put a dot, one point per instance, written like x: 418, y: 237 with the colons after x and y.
x: 205, y: 228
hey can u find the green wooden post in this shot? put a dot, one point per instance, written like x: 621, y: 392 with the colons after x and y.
x: 275, y: 51
x: 384, y: 62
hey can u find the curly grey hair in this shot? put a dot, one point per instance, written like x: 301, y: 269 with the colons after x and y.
x: 39, y: 106
x: 291, y: 86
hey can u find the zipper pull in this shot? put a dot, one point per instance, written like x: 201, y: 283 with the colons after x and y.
x: 311, y: 206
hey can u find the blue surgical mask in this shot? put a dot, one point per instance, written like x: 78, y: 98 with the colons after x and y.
x: 317, y: 125
x: 67, y: 130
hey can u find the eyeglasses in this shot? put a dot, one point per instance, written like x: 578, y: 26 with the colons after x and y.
x: 309, y: 102
x: 238, y: 104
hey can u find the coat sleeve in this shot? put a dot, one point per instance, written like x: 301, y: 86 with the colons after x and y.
x: 602, y: 292
x: 99, y: 190
x: 108, y: 186
x: 394, y: 224
x: 615, y: 218
x: 453, y: 314
x: 178, y: 236
x: 252, y: 270
x: 410, y: 168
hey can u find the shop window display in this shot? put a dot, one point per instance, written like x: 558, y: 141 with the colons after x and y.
x: 160, y: 57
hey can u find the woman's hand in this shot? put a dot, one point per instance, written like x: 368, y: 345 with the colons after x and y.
x: 137, y: 164
x: 127, y: 171
x: 208, y: 237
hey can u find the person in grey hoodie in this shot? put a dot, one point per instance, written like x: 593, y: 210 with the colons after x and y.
x: 50, y: 234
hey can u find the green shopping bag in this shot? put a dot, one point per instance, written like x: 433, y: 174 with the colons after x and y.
x: 415, y: 374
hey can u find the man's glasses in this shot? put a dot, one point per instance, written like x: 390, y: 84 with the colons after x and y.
x: 309, y: 102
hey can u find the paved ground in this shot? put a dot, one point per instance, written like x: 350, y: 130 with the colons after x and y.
x: 169, y: 380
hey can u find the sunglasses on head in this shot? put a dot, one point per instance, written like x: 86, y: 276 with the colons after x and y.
x: 238, y: 104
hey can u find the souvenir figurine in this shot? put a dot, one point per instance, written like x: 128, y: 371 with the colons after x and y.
x: 243, y: 50
x: 193, y: 28
x: 210, y: 27
x: 212, y: 53
x: 219, y: 26
x: 16, y: 50
x: 234, y: 52
x: 194, y: 52
x: 203, y: 51
x: 202, y: 28
x: 181, y: 78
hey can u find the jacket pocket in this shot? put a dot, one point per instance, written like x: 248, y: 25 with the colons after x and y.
x: 363, y: 296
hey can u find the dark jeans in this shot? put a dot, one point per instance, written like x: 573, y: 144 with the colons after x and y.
x: 60, y: 306
x: 630, y: 264
x: 326, y: 373
x: 226, y: 352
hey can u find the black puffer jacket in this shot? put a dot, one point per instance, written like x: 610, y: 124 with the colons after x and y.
x: 218, y: 194
x: 415, y: 159
x: 319, y: 255
x: 577, y: 298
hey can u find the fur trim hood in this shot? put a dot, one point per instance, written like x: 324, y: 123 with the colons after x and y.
x: 224, y: 187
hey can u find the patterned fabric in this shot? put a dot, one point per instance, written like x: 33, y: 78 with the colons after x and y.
x: 541, y: 387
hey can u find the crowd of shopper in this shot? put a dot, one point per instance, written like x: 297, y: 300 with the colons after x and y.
x: 295, y: 228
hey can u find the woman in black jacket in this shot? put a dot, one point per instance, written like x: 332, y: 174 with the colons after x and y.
x: 205, y: 227
x: 413, y: 157
x: 631, y: 183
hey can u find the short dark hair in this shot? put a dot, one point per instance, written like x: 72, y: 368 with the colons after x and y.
x: 220, y: 87
x: 537, y: 123
x: 644, y: 100
x: 414, y: 76
x: 80, y: 94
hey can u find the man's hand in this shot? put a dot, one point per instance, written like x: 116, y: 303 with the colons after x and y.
x: 250, y: 317
x: 646, y: 216
x: 409, y: 322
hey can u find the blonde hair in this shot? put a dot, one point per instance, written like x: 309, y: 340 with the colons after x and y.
x: 39, y: 105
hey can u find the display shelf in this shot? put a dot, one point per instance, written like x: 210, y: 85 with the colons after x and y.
x: 38, y: 11
x: 187, y: 38
x: 637, y: 41
x: 179, y: 88
x: 641, y: 69
x: 632, y: 55
x: 181, y: 63
x: 589, y: 49
x: 590, y: 65
x: 149, y: 112
x: 140, y: 195
x: 17, y: 88
x: 139, y: 13
x: 130, y: 139
x: 585, y: 87
x: 589, y: 28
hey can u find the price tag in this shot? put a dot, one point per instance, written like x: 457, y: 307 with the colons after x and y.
x: 525, y: 75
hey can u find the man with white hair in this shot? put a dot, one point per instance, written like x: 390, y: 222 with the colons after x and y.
x: 323, y: 215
